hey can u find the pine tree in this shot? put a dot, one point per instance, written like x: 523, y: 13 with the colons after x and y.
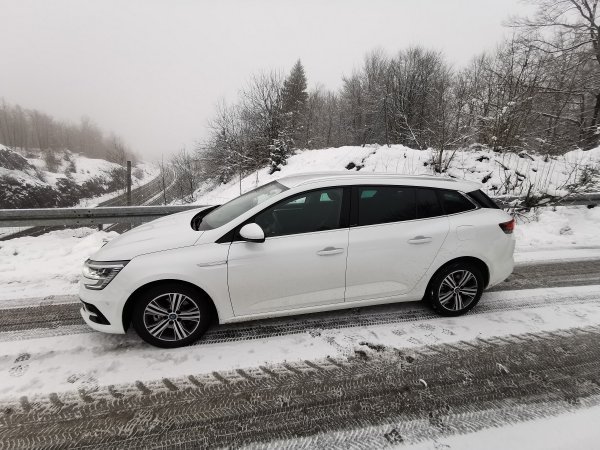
x: 280, y: 150
x: 294, y: 98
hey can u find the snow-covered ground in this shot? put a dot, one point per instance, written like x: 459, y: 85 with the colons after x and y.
x: 499, y: 173
x: 46, y: 265
x: 576, y: 430
x: 103, y: 359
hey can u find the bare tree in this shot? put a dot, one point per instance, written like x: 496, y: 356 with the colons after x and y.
x: 566, y: 28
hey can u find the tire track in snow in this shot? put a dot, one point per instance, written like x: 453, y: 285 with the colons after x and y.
x: 378, y: 397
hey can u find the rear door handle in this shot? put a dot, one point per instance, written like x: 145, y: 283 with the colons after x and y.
x: 420, y: 240
x: 330, y: 251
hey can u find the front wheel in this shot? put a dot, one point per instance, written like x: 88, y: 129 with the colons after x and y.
x: 171, y: 315
x: 455, y: 289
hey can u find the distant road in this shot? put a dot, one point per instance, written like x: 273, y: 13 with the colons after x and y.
x: 151, y: 193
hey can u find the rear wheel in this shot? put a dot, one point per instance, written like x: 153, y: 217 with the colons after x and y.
x: 455, y: 289
x: 171, y: 315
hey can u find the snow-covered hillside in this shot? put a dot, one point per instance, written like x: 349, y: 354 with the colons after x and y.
x: 499, y: 173
x: 27, y: 182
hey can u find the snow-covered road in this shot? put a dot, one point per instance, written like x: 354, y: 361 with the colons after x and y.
x: 527, y: 351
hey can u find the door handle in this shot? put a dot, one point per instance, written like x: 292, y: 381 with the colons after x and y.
x: 420, y: 240
x: 330, y: 251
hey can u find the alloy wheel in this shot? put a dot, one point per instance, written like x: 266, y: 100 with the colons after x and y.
x: 171, y: 317
x: 458, y: 290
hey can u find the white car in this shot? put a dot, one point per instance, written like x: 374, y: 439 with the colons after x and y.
x: 301, y: 244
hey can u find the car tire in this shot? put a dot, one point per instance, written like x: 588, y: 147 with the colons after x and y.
x: 455, y: 289
x: 171, y: 315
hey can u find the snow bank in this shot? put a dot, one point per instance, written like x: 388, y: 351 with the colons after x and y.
x: 46, y: 265
x: 565, y: 226
x: 500, y: 174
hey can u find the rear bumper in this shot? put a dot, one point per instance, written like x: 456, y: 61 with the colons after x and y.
x: 503, y: 266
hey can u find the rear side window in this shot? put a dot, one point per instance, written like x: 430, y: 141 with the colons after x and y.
x: 428, y: 204
x: 482, y: 199
x: 385, y: 204
x: 454, y: 202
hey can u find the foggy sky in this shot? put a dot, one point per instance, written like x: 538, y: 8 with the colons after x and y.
x: 152, y: 71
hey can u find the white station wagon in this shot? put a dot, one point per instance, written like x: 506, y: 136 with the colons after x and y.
x: 301, y: 244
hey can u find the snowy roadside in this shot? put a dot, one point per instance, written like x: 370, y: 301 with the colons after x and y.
x: 49, y: 265
x: 548, y: 434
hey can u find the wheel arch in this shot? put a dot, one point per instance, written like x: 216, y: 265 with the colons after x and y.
x: 128, y: 308
x: 485, y: 270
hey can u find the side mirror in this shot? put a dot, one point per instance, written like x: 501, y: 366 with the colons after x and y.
x: 252, y: 233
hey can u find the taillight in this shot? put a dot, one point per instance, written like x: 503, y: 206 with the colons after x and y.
x: 508, y: 227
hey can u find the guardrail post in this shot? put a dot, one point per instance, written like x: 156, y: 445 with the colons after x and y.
x: 129, y: 187
x: 128, y: 183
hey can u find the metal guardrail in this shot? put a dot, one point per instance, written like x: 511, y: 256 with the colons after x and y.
x: 139, y: 214
x: 583, y: 199
x: 87, y: 216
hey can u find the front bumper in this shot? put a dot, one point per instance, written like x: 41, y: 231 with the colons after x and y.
x: 102, y: 310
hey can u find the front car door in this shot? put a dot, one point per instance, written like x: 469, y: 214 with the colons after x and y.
x: 396, y: 234
x: 301, y: 263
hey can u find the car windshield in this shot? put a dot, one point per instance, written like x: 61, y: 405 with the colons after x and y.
x: 238, y: 206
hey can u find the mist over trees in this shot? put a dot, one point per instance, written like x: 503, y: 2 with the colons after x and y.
x: 539, y: 91
x: 27, y: 130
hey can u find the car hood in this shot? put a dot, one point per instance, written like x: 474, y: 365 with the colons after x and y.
x: 169, y: 232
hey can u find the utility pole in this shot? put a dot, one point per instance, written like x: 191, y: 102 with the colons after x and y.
x: 128, y: 183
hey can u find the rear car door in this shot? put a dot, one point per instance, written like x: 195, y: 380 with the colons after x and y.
x: 396, y: 233
x: 302, y: 261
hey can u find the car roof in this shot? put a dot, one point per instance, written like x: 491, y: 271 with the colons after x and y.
x: 351, y: 177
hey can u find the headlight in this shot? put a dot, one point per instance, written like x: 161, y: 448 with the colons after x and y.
x: 96, y: 275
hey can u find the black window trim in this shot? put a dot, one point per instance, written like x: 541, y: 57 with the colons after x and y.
x: 355, y: 202
x: 233, y: 235
x: 478, y: 202
x: 439, y: 192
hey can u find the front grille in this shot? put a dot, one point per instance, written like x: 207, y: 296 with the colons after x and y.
x: 95, y: 315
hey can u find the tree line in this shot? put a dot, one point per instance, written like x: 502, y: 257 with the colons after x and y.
x: 31, y: 130
x: 539, y: 91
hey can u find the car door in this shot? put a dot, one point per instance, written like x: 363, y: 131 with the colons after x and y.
x: 302, y: 261
x: 397, y: 232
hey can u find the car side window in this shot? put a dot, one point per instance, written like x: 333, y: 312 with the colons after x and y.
x: 308, y: 212
x: 385, y: 204
x: 428, y: 204
x: 454, y: 202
